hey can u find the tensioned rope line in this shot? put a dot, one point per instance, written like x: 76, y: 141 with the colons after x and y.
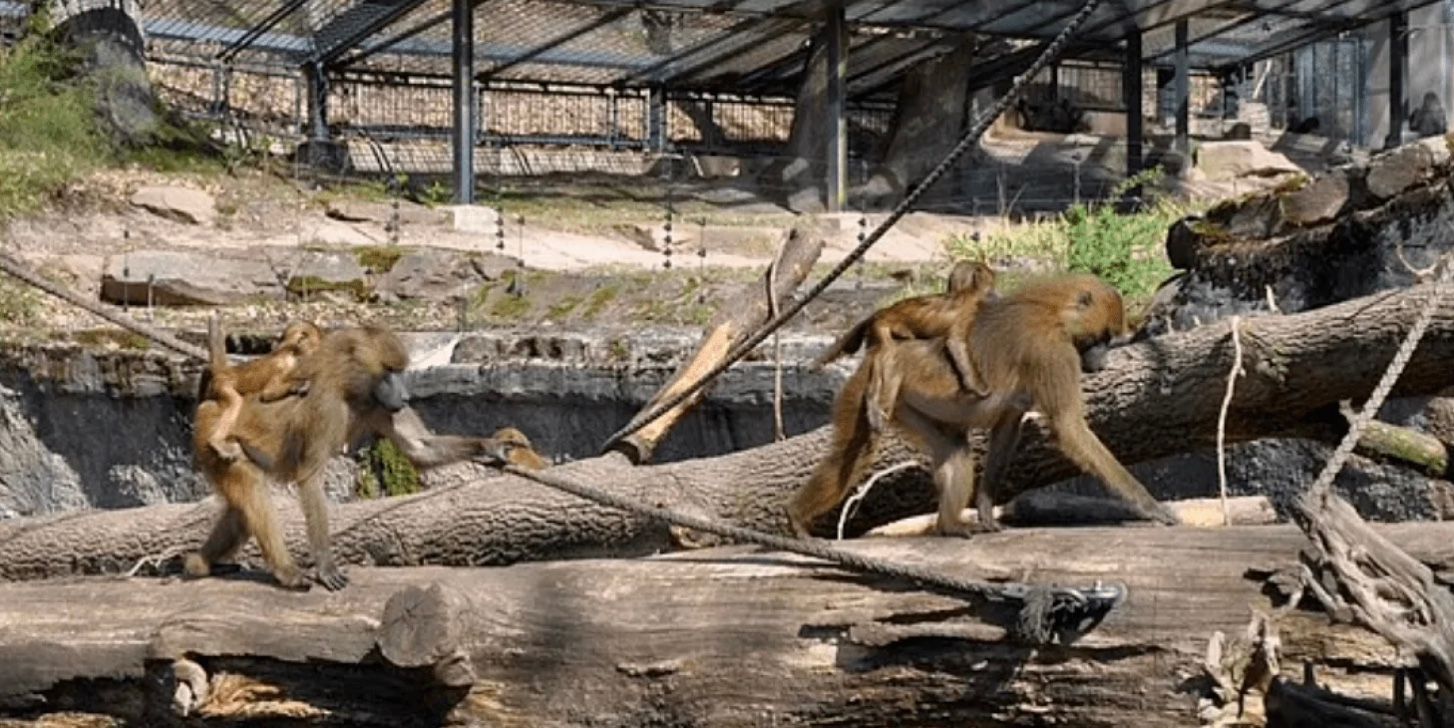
x: 971, y: 137
x: 1044, y: 611
x: 1322, y: 486
x: 18, y: 269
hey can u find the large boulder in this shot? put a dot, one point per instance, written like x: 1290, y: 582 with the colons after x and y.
x: 174, y: 278
x: 1229, y: 160
x: 329, y: 274
x: 177, y: 203
x: 1406, y: 167
x: 438, y: 275
x: 1318, y: 202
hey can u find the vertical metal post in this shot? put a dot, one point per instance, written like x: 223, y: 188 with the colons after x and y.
x: 656, y: 119
x: 1131, y: 88
x: 1182, y: 90
x: 1054, y: 82
x: 463, y: 17
x: 837, y: 146
x: 315, y: 80
x: 1398, y: 55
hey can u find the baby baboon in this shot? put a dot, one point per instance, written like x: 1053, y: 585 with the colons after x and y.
x: 266, y: 376
x: 521, y: 453
x: 1028, y: 347
x: 355, y: 387
x: 950, y: 314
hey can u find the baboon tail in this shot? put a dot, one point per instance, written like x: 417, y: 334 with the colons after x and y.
x: 846, y: 344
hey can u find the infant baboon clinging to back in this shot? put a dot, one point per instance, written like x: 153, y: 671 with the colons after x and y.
x: 1028, y: 347
x: 267, y: 377
x: 950, y: 314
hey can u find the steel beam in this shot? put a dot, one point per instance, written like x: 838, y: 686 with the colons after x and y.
x: 1182, y: 91
x: 463, y: 21
x: 356, y: 24
x: 1398, y: 60
x: 560, y: 40
x: 837, y: 147
x: 1131, y: 89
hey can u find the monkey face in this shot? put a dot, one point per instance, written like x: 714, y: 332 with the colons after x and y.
x: 391, y: 393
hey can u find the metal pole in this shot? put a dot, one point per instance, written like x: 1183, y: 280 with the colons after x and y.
x: 1131, y: 88
x: 463, y: 18
x: 1398, y: 54
x: 837, y: 147
x: 1182, y: 87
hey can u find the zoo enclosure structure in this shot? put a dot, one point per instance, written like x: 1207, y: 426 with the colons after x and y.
x: 819, y: 79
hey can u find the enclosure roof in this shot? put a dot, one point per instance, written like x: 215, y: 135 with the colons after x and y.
x: 743, y: 46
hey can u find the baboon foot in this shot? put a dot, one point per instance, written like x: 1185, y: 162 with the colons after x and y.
x: 292, y: 577
x: 228, y: 450
x: 195, y: 567
x: 954, y: 529
x: 1161, y: 515
x: 331, y: 577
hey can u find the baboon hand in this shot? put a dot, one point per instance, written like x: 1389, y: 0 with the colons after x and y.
x: 495, y: 451
x: 331, y: 577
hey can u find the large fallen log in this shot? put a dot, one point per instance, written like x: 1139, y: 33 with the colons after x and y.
x: 1154, y: 399
x: 731, y: 636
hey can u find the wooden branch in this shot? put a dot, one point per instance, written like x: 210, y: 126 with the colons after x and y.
x: 731, y: 326
x: 1154, y: 399
x: 732, y: 636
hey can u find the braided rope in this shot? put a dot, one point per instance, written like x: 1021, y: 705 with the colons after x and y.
x: 1044, y: 611
x: 970, y: 138
x: 1321, y: 487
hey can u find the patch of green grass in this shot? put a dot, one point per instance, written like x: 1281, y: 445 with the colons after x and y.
x: 1126, y: 250
x: 599, y: 300
x: 384, y: 471
x: 379, y: 259
x: 511, y: 307
x: 112, y: 337
x: 48, y: 130
x: 310, y: 285
x: 563, y: 308
x: 19, y: 303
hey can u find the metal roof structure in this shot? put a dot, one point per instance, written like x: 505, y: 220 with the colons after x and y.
x: 736, y: 46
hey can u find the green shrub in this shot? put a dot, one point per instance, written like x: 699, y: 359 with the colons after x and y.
x: 384, y: 471
x: 48, y: 130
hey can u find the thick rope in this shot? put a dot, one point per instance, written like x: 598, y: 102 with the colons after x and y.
x: 1046, y: 605
x: 14, y: 267
x: 1322, y: 487
x: 970, y: 138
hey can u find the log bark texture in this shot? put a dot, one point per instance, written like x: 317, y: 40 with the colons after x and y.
x: 1154, y: 399
x: 724, y: 637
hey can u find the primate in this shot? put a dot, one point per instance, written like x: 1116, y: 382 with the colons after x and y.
x: 355, y: 387
x: 522, y: 454
x: 266, y: 376
x: 950, y: 314
x: 1028, y: 347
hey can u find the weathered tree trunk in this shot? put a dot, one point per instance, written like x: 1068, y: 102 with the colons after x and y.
x: 1154, y: 399
x: 720, y: 637
x: 728, y: 329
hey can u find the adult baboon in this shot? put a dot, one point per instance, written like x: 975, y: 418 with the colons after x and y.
x: 355, y: 387
x: 1028, y: 347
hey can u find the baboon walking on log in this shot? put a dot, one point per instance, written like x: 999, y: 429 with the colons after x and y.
x: 355, y: 387
x: 1028, y: 347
